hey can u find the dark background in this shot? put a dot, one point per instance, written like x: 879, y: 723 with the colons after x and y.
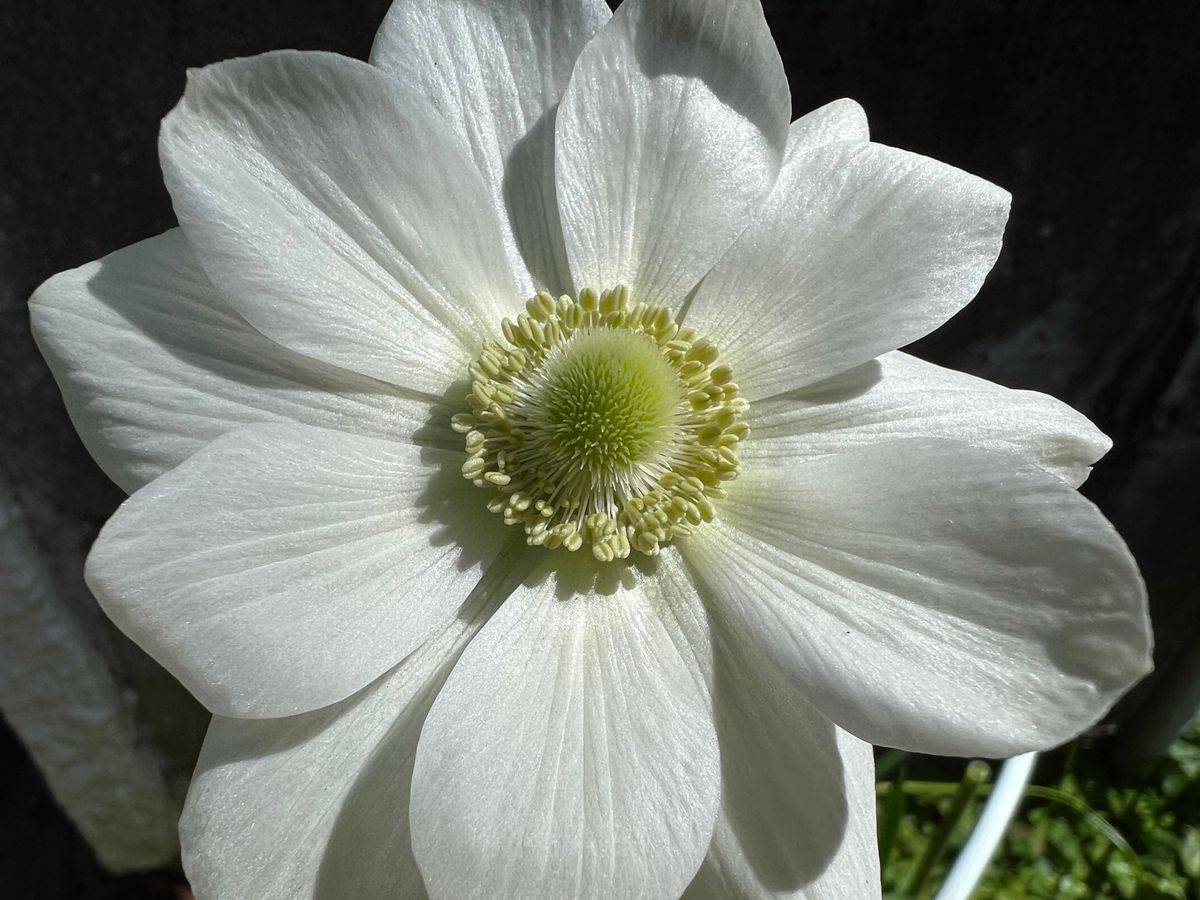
x: 1087, y: 111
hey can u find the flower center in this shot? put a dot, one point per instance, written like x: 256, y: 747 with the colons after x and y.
x: 601, y: 424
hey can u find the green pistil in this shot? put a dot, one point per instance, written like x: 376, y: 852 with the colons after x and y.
x: 609, y: 399
x: 601, y: 423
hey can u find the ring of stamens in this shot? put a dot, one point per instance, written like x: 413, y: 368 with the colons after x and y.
x: 602, y: 424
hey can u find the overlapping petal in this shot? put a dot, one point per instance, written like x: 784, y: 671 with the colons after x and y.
x: 495, y: 69
x: 729, y: 870
x: 153, y: 365
x: 899, y: 396
x: 797, y: 795
x: 317, y: 804
x: 840, y: 120
x: 669, y: 136
x: 572, y: 752
x: 314, y: 805
x: 900, y: 581
x: 860, y: 249
x: 283, y: 567
x: 339, y: 214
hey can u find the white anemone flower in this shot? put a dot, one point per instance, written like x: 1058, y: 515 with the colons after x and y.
x: 716, y: 535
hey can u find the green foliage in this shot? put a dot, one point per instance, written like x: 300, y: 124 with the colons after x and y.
x: 1082, y: 836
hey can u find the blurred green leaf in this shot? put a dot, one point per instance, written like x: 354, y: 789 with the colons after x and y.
x: 1080, y: 834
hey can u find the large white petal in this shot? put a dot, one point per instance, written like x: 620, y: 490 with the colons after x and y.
x: 316, y: 805
x: 496, y: 70
x: 338, y: 213
x: 670, y: 134
x: 899, y: 396
x: 931, y: 595
x: 859, y: 249
x: 153, y: 364
x: 798, y: 794
x: 283, y: 567
x: 572, y: 752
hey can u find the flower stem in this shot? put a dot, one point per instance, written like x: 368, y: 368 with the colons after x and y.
x: 976, y: 774
x: 889, y: 761
x: 889, y: 825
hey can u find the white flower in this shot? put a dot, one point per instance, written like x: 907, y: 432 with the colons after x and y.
x: 410, y: 698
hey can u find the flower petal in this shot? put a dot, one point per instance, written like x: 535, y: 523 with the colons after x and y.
x: 571, y: 752
x: 669, y: 137
x: 859, y: 249
x: 496, y: 70
x: 338, y: 214
x: 841, y: 120
x: 898, y: 396
x: 931, y: 595
x: 153, y: 364
x: 798, y: 794
x: 317, y: 804
x: 283, y: 567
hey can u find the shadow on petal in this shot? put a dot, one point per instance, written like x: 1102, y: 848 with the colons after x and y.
x: 531, y: 198
x: 842, y: 388
x: 784, y: 793
x: 580, y: 575
x: 369, y: 853
x: 694, y: 42
x: 449, y: 501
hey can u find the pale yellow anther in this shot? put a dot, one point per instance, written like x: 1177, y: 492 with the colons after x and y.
x: 509, y: 332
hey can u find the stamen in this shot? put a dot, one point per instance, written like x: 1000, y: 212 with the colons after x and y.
x: 601, y: 424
